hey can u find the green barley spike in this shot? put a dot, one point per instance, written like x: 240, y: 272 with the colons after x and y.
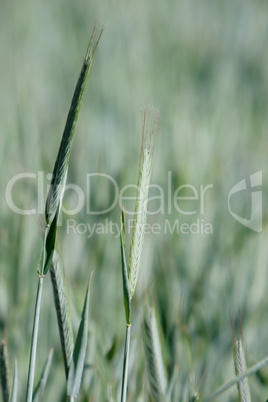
x: 154, y: 357
x: 62, y: 311
x: 151, y: 118
x: 240, y: 363
x: 56, y: 190
x: 240, y: 368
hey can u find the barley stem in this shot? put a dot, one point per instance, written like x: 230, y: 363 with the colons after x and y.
x: 125, y: 364
x: 30, y: 382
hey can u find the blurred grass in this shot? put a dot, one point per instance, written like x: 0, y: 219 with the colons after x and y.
x: 204, y: 65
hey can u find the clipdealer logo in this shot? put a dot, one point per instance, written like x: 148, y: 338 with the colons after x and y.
x: 254, y: 185
x: 186, y: 200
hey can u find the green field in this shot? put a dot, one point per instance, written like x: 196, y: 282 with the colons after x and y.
x: 204, y: 65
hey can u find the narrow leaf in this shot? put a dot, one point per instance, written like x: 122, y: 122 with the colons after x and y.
x: 127, y: 300
x: 48, y: 247
x: 62, y: 311
x: 111, y: 352
x: 172, y: 383
x: 56, y: 190
x: 39, y: 391
x: 79, y: 354
x: 4, y: 371
x: 14, y: 392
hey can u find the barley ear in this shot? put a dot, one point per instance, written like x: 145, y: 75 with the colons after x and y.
x: 4, y: 370
x: 57, y: 185
x: 151, y: 118
x: 154, y: 357
x: 62, y: 310
x: 240, y: 364
x: 240, y: 367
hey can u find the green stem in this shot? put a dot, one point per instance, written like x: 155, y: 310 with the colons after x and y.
x: 125, y: 364
x: 229, y: 384
x: 30, y: 381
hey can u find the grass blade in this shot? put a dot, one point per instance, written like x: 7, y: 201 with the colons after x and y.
x: 154, y: 357
x: 14, y: 392
x: 125, y: 364
x: 62, y: 311
x: 127, y: 300
x: 172, y: 383
x: 39, y: 391
x: 48, y: 246
x: 111, y: 352
x: 56, y: 190
x: 4, y: 370
x: 127, y: 304
x: 79, y: 354
x: 151, y: 118
x: 30, y: 381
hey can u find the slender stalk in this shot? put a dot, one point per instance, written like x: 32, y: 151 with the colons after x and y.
x: 125, y: 364
x: 229, y: 384
x: 30, y: 382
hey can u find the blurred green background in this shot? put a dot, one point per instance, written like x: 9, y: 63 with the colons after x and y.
x: 204, y: 64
